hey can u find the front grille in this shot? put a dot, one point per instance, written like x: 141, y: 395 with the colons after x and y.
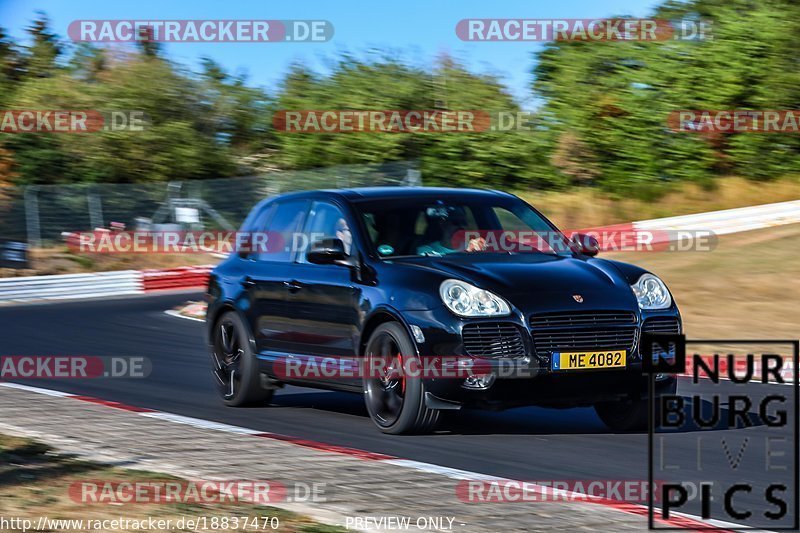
x: 494, y: 339
x: 591, y: 330
x: 661, y: 324
x: 590, y: 318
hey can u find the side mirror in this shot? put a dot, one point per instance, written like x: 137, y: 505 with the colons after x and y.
x: 586, y: 244
x: 326, y: 252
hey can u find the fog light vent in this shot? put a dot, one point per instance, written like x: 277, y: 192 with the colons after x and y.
x: 479, y: 381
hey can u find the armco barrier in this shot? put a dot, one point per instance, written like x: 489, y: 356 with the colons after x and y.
x: 729, y: 220
x: 101, y: 284
x: 175, y: 278
x: 724, y: 222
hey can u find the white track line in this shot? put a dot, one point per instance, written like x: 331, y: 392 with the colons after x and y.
x: 176, y: 314
x: 37, y: 390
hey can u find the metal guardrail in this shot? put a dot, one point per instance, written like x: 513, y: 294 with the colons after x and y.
x: 729, y: 220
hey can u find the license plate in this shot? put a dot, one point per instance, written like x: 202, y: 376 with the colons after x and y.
x: 589, y: 360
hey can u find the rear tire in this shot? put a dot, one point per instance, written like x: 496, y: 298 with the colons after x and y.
x: 396, y: 406
x: 235, y: 367
x: 631, y: 414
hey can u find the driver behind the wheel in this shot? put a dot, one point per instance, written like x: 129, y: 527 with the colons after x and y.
x: 444, y: 224
x: 344, y: 234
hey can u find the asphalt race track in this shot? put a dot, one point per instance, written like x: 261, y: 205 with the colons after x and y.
x: 527, y: 444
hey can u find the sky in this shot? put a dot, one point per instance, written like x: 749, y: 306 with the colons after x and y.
x: 415, y: 30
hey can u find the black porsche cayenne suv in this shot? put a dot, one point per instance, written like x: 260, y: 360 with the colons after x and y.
x: 427, y: 300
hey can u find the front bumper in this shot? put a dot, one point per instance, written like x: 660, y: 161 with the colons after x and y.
x: 526, y: 379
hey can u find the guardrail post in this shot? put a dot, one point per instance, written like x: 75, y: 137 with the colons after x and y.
x: 413, y: 178
x: 32, y: 216
x: 95, y: 210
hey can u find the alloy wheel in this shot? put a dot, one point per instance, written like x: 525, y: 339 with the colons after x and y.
x: 385, y: 386
x: 228, y: 354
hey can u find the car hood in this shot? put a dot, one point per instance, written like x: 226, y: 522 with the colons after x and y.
x: 539, y: 281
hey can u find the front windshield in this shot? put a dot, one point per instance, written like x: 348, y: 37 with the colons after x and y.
x: 437, y: 227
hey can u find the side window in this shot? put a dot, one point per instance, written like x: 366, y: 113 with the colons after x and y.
x: 326, y: 222
x: 257, y: 217
x: 282, y: 230
x: 256, y: 221
x: 261, y: 220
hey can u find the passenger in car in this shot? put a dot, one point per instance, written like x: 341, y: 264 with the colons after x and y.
x: 442, y: 231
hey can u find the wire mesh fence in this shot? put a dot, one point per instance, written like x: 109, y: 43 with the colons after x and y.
x: 42, y: 214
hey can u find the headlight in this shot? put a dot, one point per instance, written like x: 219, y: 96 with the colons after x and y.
x: 467, y: 300
x: 651, y: 293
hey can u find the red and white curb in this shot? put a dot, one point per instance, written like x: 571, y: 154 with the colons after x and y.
x: 679, y: 520
x: 101, y: 284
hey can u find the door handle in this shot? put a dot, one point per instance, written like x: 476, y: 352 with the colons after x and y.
x: 248, y: 282
x: 293, y: 285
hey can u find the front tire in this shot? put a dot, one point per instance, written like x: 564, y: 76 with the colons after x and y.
x: 395, y: 402
x: 235, y: 366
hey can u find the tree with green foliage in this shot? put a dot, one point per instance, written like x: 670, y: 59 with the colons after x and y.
x: 43, y: 53
x: 484, y: 158
x: 193, y: 130
x: 615, y: 97
x: 602, y: 121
